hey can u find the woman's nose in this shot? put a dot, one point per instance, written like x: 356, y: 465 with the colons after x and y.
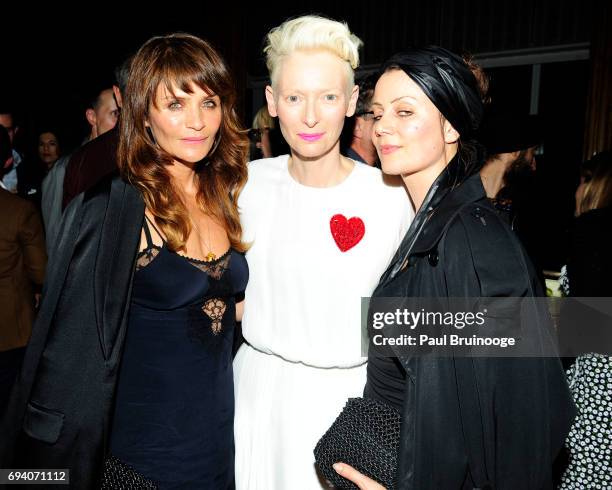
x: 195, y: 119
x: 310, y: 114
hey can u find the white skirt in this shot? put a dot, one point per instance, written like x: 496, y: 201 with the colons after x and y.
x: 282, y: 410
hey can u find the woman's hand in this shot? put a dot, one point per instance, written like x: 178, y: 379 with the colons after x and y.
x: 362, y: 481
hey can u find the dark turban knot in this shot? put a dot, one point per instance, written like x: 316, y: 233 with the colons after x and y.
x: 447, y: 81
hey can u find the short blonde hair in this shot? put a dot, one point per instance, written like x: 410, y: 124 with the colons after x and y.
x: 263, y: 119
x: 312, y: 32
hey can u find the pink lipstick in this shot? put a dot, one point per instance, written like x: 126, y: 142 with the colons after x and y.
x: 310, y: 136
x: 386, y: 149
x: 193, y: 141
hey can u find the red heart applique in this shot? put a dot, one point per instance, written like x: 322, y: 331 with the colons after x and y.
x: 346, y: 233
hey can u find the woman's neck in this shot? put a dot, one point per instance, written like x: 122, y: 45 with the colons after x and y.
x: 419, y: 183
x: 184, y: 178
x: 326, y: 171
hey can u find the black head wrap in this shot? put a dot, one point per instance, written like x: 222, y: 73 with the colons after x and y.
x: 447, y: 81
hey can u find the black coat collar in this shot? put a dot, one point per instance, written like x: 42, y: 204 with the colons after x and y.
x: 467, y: 192
x: 452, y: 189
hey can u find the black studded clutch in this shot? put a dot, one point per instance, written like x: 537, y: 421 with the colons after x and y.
x: 118, y: 475
x: 366, y: 436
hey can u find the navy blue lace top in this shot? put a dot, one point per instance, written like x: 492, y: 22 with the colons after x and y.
x: 174, y: 409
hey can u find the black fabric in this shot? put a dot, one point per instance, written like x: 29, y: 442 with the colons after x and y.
x: 118, y: 475
x: 72, y: 370
x: 520, y: 204
x: 30, y: 174
x: 90, y: 164
x: 365, y: 436
x: 589, y: 266
x: 583, y: 328
x: 386, y: 379
x: 447, y: 81
x: 43, y: 425
x: 10, y: 364
x: 524, y: 410
x: 71, y: 365
x: 184, y: 438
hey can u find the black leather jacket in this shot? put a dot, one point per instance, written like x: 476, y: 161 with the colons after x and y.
x: 474, y: 423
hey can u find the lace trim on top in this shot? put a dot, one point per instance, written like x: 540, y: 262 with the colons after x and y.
x: 214, y: 268
x: 214, y: 308
x: 146, y: 256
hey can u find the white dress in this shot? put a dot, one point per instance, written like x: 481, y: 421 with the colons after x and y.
x: 302, y: 312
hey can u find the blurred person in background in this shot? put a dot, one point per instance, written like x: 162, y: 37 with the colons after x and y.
x: 22, y: 269
x: 263, y: 123
x: 509, y: 177
x: 586, y: 332
x: 356, y: 140
x: 49, y: 149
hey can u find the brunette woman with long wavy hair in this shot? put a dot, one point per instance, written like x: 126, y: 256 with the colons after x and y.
x: 128, y: 379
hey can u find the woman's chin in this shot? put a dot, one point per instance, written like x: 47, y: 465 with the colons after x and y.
x: 391, y: 168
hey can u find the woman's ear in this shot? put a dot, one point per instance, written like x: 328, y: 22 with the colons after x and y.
x: 353, y: 101
x: 451, y: 135
x: 270, y: 100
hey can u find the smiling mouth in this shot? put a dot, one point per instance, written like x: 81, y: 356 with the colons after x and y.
x: 311, y: 136
x: 193, y: 140
x: 387, y: 149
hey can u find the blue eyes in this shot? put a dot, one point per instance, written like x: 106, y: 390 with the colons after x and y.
x: 176, y: 105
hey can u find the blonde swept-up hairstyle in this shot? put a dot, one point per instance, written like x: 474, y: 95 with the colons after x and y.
x: 311, y: 32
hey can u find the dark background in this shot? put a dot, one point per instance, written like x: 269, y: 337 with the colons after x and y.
x: 54, y: 60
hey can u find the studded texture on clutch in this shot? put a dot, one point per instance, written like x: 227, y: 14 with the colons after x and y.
x: 366, y: 436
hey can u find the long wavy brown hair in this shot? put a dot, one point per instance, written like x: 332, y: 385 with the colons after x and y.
x: 182, y: 61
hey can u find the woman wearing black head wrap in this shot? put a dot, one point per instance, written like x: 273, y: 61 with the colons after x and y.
x: 466, y: 422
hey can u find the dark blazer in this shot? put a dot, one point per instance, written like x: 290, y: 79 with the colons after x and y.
x: 473, y: 422
x: 30, y: 174
x: 59, y: 413
x: 90, y: 164
x: 22, y: 265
